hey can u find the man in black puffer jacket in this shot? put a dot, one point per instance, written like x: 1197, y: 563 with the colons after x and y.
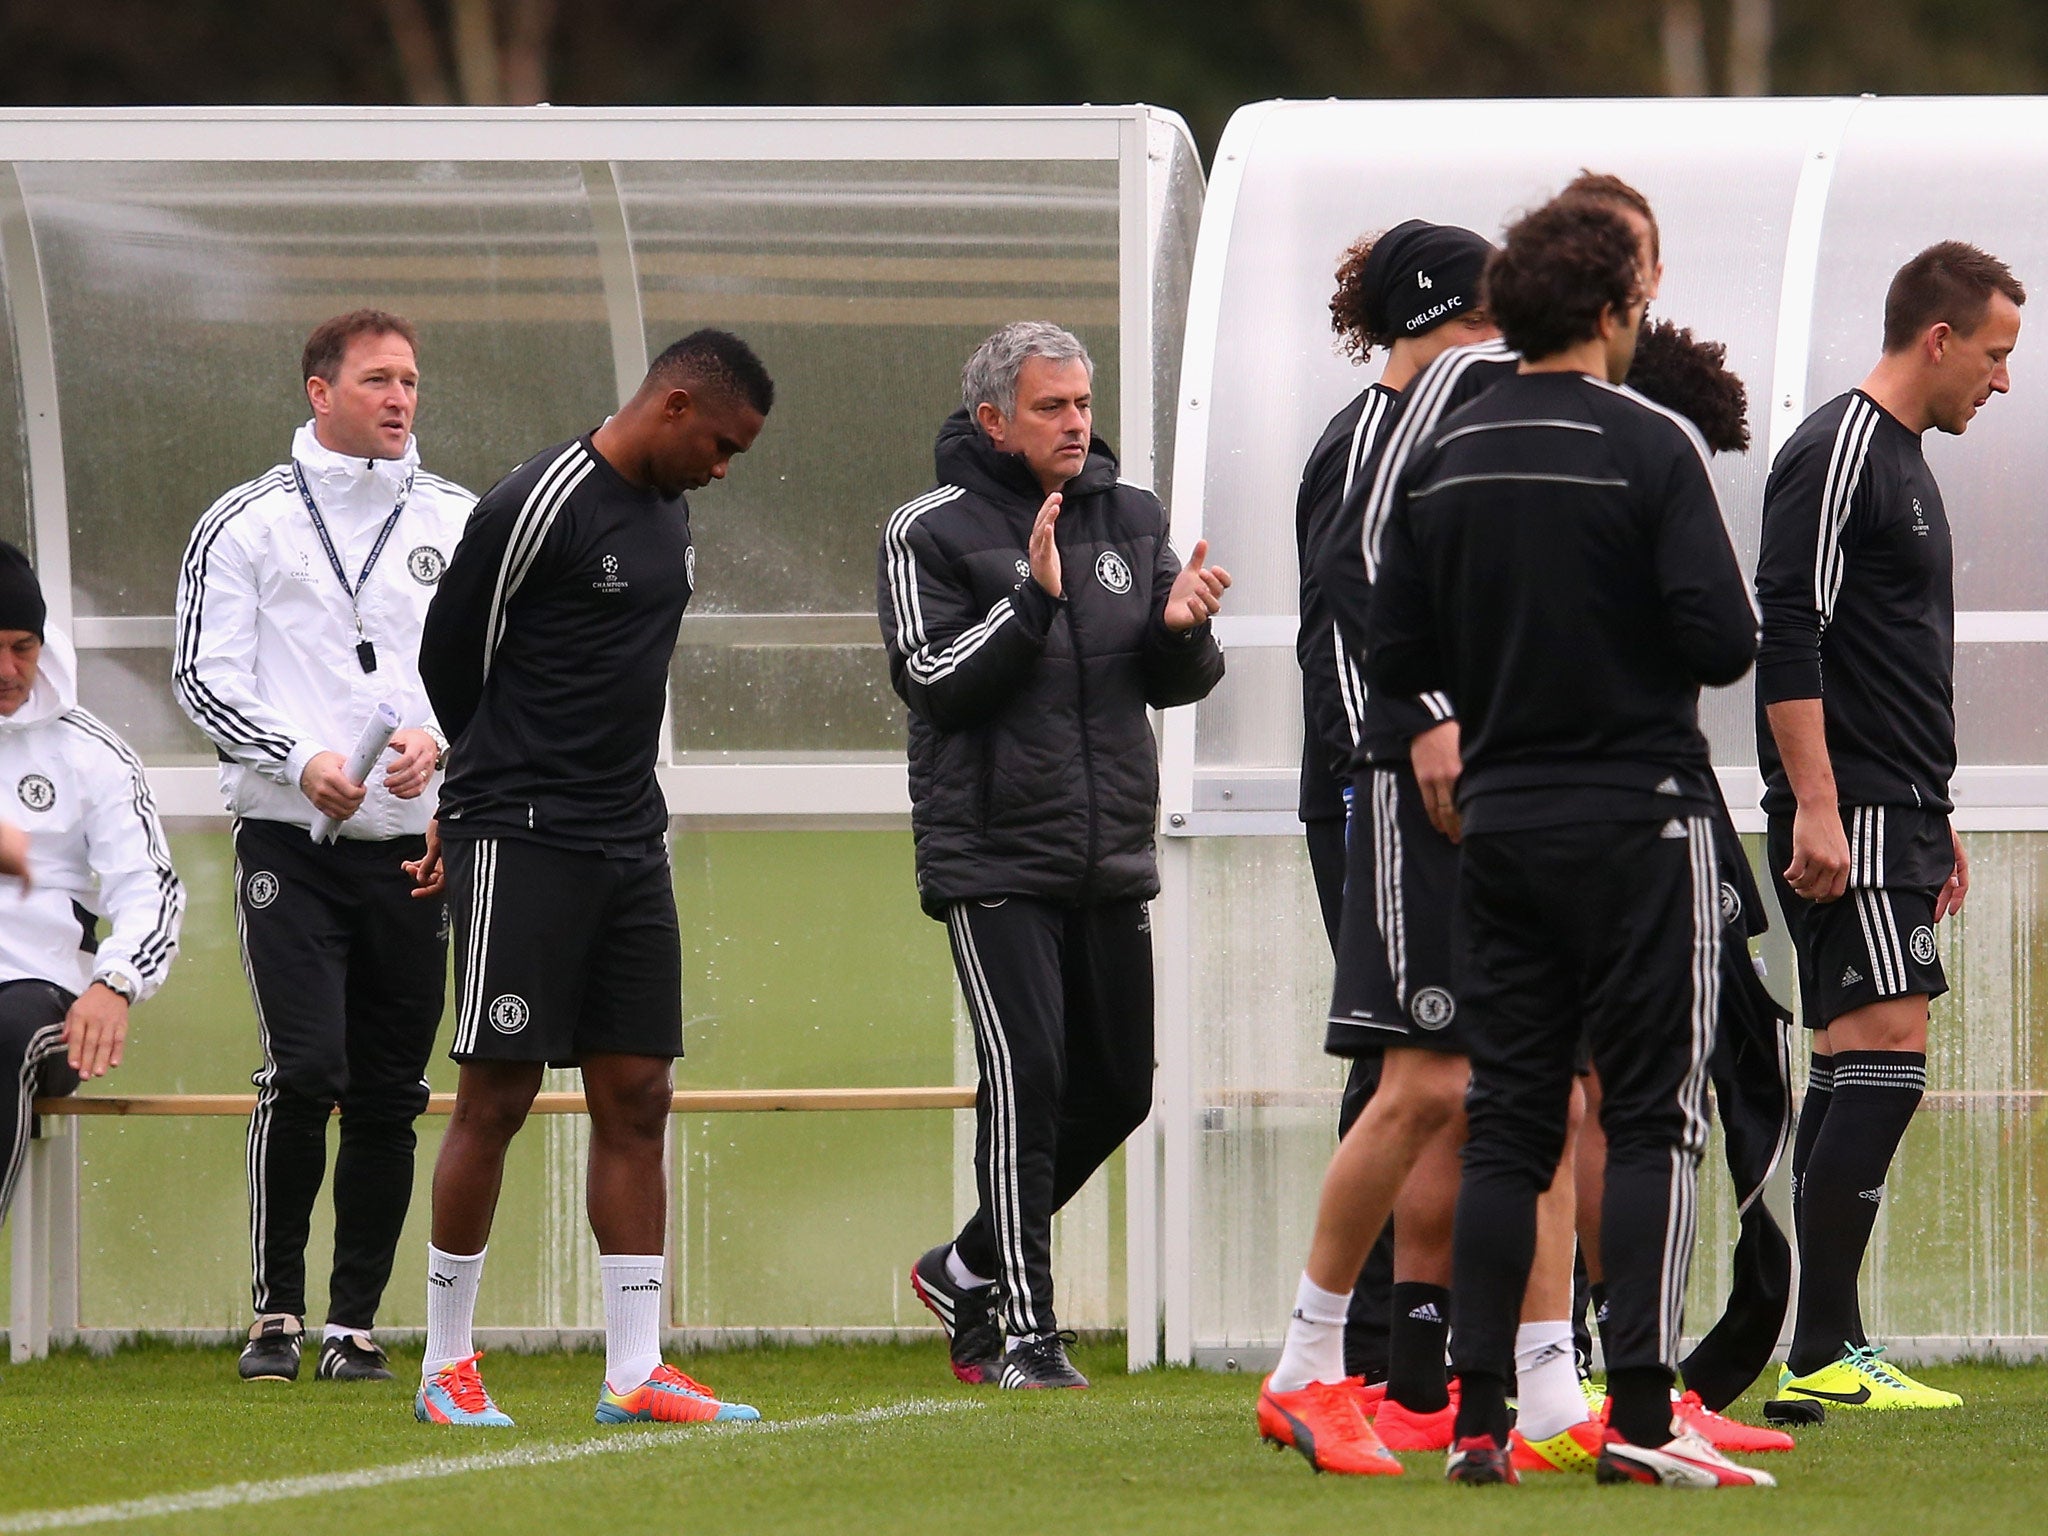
x: 1033, y: 610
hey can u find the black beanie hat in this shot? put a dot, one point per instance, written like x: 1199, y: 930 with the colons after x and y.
x: 21, y: 595
x: 1420, y: 274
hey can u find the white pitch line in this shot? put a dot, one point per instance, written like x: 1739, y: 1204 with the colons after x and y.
x: 237, y: 1495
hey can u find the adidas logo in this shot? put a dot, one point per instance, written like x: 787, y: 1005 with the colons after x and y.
x: 1851, y: 976
x: 1669, y: 786
x: 1874, y: 1196
x: 1673, y: 828
x: 1427, y: 1313
x: 444, y: 1281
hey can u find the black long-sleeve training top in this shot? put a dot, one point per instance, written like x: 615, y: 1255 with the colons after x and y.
x: 546, y: 654
x: 1555, y: 558
x: 1856, y: 582
x: 1388, y: 722
x: 1033, y: 771
x: 1326, y: 551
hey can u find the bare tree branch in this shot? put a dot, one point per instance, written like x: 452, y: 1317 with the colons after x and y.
x: 1749, y: 48
x: 529, y: 33
x: 1685, y: 49
x: 419, y: 56
x: 474, y: 33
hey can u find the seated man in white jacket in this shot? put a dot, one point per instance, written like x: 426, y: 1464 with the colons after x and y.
x: 94, y: 850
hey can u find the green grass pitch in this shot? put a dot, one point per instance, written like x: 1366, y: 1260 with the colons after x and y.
x: 881, y: 1439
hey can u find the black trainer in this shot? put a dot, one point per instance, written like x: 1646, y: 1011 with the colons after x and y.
x: 1041, y: 1362
x: 272, y: 1353
x: 1479, y: 1461
x: 351, y: 1358
x: 968, y: 1315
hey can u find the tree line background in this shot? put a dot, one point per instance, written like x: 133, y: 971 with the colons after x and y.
x: 1203, y: 58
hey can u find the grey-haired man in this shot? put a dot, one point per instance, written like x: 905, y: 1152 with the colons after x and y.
x: 1033, y: 611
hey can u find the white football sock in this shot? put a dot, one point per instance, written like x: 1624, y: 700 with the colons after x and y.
x: 960, y: 1274
x: 1315, y: 1338
x: 1547, y: 1396
x: 451, y: 1307
x: 337, y: 1331
x: 632, y: 1317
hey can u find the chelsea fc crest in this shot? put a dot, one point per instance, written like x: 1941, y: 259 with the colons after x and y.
x: 509, y: 1014
x: 1111, y: 571
x: 1731, y: 903
x: 1432, y: 1009
x: 426, y: 565
x: 36, y: 792
x: 262, y: 889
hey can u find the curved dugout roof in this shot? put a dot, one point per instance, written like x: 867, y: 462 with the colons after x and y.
x: 1782, y: 222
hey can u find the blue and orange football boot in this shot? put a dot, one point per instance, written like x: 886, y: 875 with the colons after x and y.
x: 669, y: 1397
x: 455, y: 1395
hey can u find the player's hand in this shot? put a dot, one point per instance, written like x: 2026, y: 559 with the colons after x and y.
x: 429, y: 874
x: 1958, y: 883
x: 411, y: 768
x: 326, y: 783
x: 95, y: 1030
x: 14, y: 853
x: 1197, y: 591
x: 1434, y: 757
x: 1819, y: 870
x: 1045, y: 553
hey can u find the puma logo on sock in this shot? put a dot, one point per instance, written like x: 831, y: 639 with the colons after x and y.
x: 444, y: 1281
x: 644, y: 1285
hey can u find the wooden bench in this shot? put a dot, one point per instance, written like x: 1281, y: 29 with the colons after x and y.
x: 45, y: 1215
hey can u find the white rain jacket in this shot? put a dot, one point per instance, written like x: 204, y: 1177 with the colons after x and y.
x: 266, y: 659
x: 96, y: 849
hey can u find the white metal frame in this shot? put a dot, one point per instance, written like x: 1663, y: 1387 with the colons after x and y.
x: 832, y: 790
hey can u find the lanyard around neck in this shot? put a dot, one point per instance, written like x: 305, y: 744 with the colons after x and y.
x: 327, y: 542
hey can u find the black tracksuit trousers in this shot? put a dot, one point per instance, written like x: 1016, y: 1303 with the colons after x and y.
x: 32, y: 1062
x: 1061, y: 999
x: 1612, y: 929
x: 348, y: 972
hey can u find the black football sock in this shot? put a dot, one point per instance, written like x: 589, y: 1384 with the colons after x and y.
x: 1875, y: 1095
x: 1600, y: 1320
x: 1641, y: 1404
x: 1482, y: 1407
x: 1415, y: 1346
x: 1813, y: 1113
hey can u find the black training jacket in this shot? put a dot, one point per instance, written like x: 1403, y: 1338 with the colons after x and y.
x: 1326, y: 550
x: 546, y: 653
x: 1556, y: 559
x: 1033, y: 771
x: 1856, y: 582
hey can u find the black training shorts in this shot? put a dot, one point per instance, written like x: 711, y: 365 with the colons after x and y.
x: 1394, y: 984
x: 561, y: 954
x: 1877, y: 940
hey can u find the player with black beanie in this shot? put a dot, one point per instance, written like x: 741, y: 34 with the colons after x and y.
x: 1412, y: 291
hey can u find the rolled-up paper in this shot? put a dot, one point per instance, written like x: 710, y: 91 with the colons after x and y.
x: 377, y: 733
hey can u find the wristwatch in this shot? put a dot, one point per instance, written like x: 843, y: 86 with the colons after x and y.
x: 117, y: 984
x: 441, y: 748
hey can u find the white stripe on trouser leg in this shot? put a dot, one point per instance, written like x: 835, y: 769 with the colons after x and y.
x: 1890, y: 916
x: 1681, y: 1213
x: 1007, y: 1213
x: 41, y: 1045
x: 1003, y: 1187
x: 1008, y: 1217
x: 260, y: 1119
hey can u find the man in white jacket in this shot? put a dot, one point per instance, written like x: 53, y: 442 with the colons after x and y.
x: 76, y: 796
x: 300, y: 601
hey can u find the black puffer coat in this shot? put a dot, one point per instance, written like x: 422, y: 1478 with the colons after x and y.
x: 1033, y: 771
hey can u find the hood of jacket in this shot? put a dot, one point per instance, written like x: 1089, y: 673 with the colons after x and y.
x: 344, y: 484
x: 964, y: 456
x: 56, y: 688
